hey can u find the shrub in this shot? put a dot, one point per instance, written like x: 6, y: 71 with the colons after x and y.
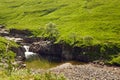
x: 51, y: 31
x: 88, y: 40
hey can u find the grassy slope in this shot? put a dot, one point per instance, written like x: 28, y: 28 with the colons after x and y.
x: 96, y: 18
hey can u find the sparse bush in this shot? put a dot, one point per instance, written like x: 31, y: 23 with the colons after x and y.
x: 75, y: 39
x: 51, y: 31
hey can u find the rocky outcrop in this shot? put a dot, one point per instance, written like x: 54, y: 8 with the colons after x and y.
x: 65, y: 51
x: 53, y: 51
x: 41, y: 47
x: 46, y: 50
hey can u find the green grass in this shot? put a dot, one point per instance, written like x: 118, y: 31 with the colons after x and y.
x: 97, y: 18
x: 25, y: 74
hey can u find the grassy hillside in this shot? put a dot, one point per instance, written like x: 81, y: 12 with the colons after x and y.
x: 99, y: 19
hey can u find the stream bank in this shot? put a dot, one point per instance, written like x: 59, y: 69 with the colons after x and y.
x: 46, y: 49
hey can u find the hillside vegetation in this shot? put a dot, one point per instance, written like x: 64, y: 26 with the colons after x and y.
x: 92, y: 26
x: 99, y: 19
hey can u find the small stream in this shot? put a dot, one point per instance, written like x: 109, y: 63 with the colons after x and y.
x: 29, y: 54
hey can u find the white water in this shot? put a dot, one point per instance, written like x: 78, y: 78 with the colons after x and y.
x: 28, y: 54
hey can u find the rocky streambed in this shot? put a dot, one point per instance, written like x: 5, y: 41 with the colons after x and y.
x: 85, y: 72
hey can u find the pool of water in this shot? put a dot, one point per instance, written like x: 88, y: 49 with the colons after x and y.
x: 45, y: 64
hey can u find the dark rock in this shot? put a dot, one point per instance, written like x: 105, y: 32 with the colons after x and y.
x: 4, y: 34
x: 32, y: 39
x: 64, y: 51
x: 67, y: 52
x: 20, y: 32
x: 19, y: 52
x: 47, y: 50
x: 41, y: 47
x: 54, y: 51
x: 2, y: 26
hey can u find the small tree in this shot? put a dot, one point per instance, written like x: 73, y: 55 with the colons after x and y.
x: 51, y: 31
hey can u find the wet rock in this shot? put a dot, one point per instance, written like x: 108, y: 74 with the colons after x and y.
x: 19, y: 52
x: 2, y: 26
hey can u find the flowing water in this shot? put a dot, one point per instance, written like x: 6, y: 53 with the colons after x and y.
x: 29, y: 54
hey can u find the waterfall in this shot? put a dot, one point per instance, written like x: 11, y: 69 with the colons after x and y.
x: 29, y: 54
x: 26, y: 48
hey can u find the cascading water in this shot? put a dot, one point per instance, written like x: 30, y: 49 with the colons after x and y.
x: 28, y: 54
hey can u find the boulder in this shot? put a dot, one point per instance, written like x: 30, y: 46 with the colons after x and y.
x: 41, y: 47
